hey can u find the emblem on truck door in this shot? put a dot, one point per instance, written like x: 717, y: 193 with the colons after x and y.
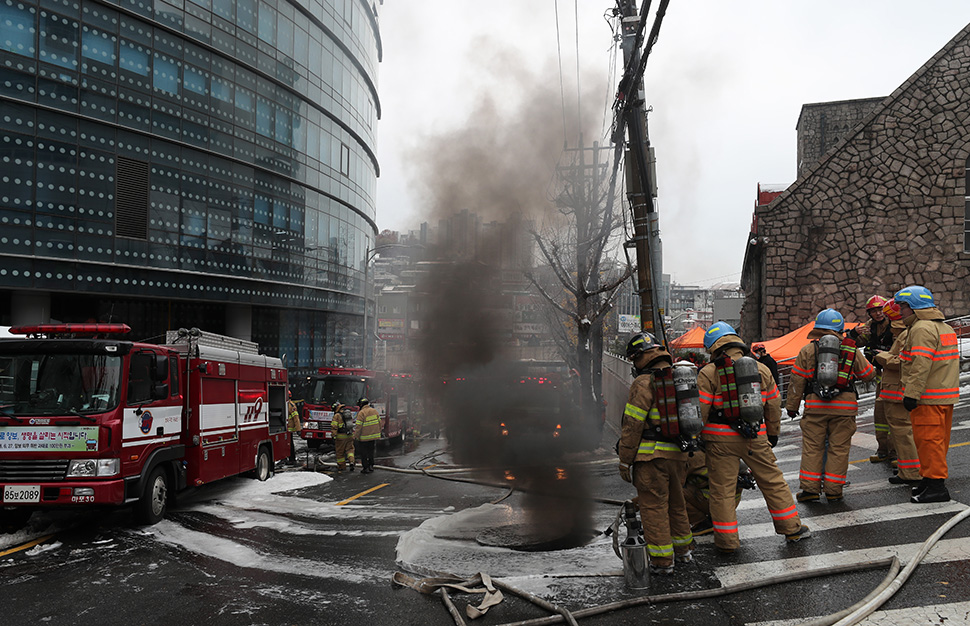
x: 145, y: 425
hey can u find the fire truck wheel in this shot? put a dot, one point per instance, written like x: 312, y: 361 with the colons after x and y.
x: 13, y: 519
x: 150, y: 509
x: 264, y: 465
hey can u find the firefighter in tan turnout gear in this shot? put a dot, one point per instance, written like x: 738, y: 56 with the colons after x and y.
x: 931, y: 386
x: 876, y: 335
x: 342, y: 428
x: 891, y: 394
x: 367, y: 432
x: 824, y: 373
x: 651, y: 454
x: 742, y: 420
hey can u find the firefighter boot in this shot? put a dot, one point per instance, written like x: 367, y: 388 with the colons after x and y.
x: 935, y: 492
x: 879, y: 457
x: 352, y: 466
x: 802, y: 533
x: 920, y: 487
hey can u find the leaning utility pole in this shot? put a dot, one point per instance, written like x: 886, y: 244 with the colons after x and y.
x: 640, y: 165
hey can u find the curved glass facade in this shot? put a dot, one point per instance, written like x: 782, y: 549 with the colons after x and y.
x: 193, y: 151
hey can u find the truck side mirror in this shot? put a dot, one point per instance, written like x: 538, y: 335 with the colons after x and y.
x: 160, y: 370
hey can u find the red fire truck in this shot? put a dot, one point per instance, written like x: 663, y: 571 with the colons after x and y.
x: 390, y: 394
x: 88, y: 418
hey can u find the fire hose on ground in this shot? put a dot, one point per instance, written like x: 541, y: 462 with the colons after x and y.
x: 854, y: 614
x: 893, y: 581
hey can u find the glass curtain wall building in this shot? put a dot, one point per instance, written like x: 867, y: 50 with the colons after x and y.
x: 203, y: 163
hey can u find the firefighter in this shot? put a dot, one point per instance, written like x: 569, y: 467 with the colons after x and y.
x: 293, y: 424
x: 367, y: 432
x: 343, y: 437
x: 761, y: 353
x: 728, y: 438
x: 891, y: 393
x: 697, y: 492
x: 824, y: 373
x: 651, y: 456
x: 930, y: 369
x: 877, y: 336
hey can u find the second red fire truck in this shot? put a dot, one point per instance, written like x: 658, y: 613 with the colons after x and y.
x: 390, y: 394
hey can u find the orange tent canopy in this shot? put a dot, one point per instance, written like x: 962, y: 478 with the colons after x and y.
x: 786, y: 347
x: 693, y: 338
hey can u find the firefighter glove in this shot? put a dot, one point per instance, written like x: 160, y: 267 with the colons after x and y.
x: 792, y: 414
x: 909, y: 403
x: 625, y: 472
x: 772, y: 440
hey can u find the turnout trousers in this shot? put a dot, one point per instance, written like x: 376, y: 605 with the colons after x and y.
x: 931, y: 432
x: 722, y: 466
x: 907, y: 457
x: 884, y: 434
x: 367, y: 453
x: 660, y: 493
x: 344, y: 449
x: 821, y: 467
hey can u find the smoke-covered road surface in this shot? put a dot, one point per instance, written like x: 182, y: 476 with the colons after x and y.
x: 302, y: 549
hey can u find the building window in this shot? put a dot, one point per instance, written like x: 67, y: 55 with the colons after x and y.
x: 344, y: 159
x: 131, y: 193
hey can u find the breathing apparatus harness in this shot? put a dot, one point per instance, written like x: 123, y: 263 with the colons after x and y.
x: 737, y: 390
x: 846, y: 358
x: 675, y: 401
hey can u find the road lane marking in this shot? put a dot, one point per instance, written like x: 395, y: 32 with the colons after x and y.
x: 362, y: 493
x: 29, y: 544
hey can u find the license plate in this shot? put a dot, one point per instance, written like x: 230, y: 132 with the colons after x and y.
x: 19, y: 494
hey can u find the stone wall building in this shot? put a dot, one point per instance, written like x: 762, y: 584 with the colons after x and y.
x: 885, y: 207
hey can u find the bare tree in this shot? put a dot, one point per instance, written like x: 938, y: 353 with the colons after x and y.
x: 574, y: 279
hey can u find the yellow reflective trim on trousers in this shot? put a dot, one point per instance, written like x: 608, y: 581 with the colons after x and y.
x: 667, y: 550
x: 635, y: 412
x: 683, y: 541
x: 370, y: 437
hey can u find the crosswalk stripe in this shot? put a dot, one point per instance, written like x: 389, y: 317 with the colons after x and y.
x: 932, y: 614
x: 756, y: 501
x: 946, y: 551
x: 849, y: 519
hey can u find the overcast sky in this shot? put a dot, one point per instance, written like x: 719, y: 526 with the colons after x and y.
x: 726, y: 82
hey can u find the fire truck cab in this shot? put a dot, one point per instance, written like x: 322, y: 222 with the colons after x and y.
x: 88, y: 418
x: 388, y: 394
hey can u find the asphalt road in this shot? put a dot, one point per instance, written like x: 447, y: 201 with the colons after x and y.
x: 324, y: 553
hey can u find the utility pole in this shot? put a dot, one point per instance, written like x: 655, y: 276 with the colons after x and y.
x: 641, y: 179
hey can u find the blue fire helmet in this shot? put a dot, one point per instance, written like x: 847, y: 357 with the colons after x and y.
x: 830, y: 319
x: 916, y: 297
x: 715, y: 332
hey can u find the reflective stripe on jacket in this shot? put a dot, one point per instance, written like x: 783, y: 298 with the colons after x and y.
x: 930, y: 359
x: 803, y: 371
x: 708, y: 387
x: 368, y: 424
x: 639, y: 415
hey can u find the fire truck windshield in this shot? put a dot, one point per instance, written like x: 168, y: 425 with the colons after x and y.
x: 333, y: 389
x: 59, y: 383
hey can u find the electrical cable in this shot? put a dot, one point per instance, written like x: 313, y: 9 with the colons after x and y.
x: 579, y: 102
x: 562, y: 91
